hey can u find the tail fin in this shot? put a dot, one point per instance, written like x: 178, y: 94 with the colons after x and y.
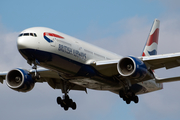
x: 152, y: 41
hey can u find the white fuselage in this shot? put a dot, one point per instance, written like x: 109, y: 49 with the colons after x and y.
x: 69, y: 57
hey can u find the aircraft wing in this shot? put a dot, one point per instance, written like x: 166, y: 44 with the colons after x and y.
x: 106, y: 67
x: 109, y: 67
x: 49, y: 76
x: 159, y: 61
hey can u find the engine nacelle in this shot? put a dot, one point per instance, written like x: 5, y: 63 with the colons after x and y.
x: 20, y: 80
x: 132, y: 67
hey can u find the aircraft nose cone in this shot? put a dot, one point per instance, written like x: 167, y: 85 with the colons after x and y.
x: 27, y: 42
x: 21, y: 43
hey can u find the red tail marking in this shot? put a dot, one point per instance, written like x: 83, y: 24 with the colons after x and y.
x: 153, y: 38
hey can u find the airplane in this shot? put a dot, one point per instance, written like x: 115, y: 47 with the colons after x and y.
x: 68, y: 63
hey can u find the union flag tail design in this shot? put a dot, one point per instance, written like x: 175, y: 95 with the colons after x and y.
x: 152, y: 41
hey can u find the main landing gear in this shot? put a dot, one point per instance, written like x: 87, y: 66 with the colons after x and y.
x: 128, y: 96
x: 66, y: 102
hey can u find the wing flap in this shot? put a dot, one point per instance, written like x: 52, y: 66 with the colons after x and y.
x: 164, y: 80
x: 106, y: 67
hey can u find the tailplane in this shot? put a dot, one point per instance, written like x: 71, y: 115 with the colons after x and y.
x: 152, y: 41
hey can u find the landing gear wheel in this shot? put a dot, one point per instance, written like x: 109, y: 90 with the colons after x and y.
x: 128, y: 101
x: 73, y: 106
x: 66, y: 102
x: 66, y: 97
x: 121, y: 93
x: 66, y: 108
x: 59, y: 100
x: 124, y: 98
x: 136, y: 99
x: 70, y: 102
x: 128, y: 96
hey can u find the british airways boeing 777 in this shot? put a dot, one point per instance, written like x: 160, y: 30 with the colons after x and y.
x: 68, y: 64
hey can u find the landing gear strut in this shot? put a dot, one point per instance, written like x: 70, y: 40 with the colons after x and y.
x: 128, y: 96
x: 35, y: 62
x: 36, y: 75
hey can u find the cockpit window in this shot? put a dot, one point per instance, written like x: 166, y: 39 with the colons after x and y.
x: 20, y: 35
x: 35, y: 35
x: 28, y: 34
x: 31, y: 34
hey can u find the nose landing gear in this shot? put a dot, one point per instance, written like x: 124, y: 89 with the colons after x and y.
x: 36, y: 75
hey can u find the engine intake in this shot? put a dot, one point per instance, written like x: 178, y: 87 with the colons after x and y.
x: 20, y: 80
x: 132, y: 67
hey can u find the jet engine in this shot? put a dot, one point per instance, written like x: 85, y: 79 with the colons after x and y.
x: 20, y: 80
x: 132, y: 67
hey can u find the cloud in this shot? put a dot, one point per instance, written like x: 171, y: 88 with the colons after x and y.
x: 162, y: 104
x: 10, y: 57
x: 125, y: 37
x: 171, y: 5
